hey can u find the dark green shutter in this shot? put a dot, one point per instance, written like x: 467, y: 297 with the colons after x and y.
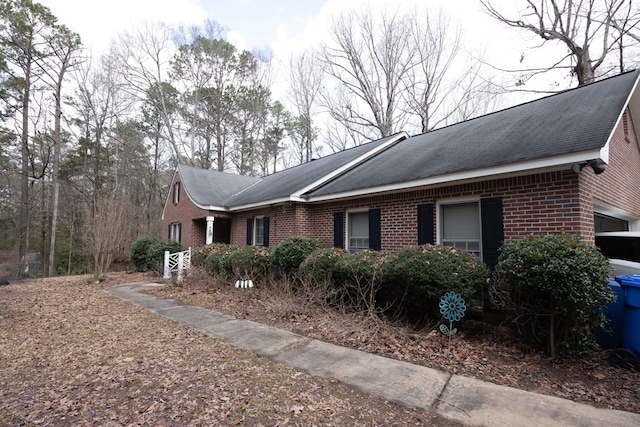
x: 265, y: 225
x: 425, y: 224
x: 249, y: 231
x: 492, y: 229
x: 375, y: 238
x: 338, y: 229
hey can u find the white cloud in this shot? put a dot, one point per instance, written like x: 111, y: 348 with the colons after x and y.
x: 98, y: 21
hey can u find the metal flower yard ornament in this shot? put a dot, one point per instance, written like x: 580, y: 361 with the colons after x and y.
x: 452, y: 308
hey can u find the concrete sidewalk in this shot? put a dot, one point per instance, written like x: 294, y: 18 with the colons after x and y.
x: 466, y: 400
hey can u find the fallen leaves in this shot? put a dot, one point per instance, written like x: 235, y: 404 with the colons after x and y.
x: 479, y: 350
x: 70, y: 354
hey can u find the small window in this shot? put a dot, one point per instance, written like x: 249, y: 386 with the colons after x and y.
x: 258, y: 230
x: 176, y: 192
x: 358, y: 226
x: 460, y: 227
x: 175, y: 232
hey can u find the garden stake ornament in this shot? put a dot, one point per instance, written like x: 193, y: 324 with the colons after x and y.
x: 452, y: 308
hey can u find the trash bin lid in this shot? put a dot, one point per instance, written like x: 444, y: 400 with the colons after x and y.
x: 630, y: 280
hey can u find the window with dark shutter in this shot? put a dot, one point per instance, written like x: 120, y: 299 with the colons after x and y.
x: 249, y: 231
x: 375, y: 237
x: 338, y: 229
x: 425, y: 224
x: 265, y: 225
x: 492, y: 229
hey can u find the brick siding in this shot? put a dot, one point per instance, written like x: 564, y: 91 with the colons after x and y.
x: 551, y: 202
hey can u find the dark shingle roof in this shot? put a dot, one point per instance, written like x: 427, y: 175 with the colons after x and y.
x: 212, y: 188
x: 284, y: 183
x: 573, y: 121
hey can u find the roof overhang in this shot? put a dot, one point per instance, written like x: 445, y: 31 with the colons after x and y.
x: 504, y: 171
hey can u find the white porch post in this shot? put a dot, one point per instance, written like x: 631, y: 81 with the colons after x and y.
x: 209, y: 230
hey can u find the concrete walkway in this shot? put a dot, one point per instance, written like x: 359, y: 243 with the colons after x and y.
x: 466, y: 400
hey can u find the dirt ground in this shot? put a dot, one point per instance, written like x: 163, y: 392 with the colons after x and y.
x: 71, y: 354
x: 479, y: 350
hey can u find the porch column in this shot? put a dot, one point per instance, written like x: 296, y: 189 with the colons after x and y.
x: 209, y: 239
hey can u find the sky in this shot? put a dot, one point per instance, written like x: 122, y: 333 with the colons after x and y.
x: 281, y: 25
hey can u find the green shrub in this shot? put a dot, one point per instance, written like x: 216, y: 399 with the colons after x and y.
x: 323, y: 266
x: 363, y: 274
x: 555, y: 288
x: 147, y: 253
x: 252, y: 262
x: 217, y: 260
x: 416, y: 277
x: 289, y: 254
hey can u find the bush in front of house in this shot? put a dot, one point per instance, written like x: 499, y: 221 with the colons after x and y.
x: 147, y: 253
x: 416, y: 277
x: 322, y: 266
x: 363, y: 277
x: 216, y: 260
x: 289, y: 254
x: 252, y: 262
x: 555, y: 288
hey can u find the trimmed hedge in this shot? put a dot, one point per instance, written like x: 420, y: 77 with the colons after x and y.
x: 416, y: 277
x: 555, y: 287
x: 291, y: 252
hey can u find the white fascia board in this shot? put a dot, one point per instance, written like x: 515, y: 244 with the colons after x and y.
x: 264, y: 204
x: 514, y: 169
x: 366, y: 156
x: 164, y: 207
x: 633, y: 102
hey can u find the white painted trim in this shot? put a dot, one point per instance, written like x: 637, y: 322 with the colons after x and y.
x: 348, y: 212
x: 340, y: 171
x: 166, y: 202
x: 456, y: 201
x: 504, y: 171
x: 606, y: 209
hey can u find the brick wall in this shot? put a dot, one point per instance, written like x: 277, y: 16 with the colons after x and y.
x: 552, y: 202
x: 619, y: 185
x: 534, y: 204
x: 189, y: 215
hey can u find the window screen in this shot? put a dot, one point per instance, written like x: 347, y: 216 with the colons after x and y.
x: 358, y: 231
x: 461, y: 226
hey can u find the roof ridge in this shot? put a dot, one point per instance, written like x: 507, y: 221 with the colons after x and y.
x: 553, y: 95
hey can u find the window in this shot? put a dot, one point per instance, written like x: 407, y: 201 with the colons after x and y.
x: 358, y: 229
x: 176, y: 192
x: 258, y: 230
x: 175, y: 232
x: 460, y: 226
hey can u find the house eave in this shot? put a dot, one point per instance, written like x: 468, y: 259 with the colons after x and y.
x: 503, y: 171
x: 354, y: 163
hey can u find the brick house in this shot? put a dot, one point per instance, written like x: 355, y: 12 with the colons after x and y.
x: 567, y: 163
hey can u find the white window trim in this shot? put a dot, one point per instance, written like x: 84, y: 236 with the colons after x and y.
x: 253, y: 237
x: 176, y: 194
x: 457, y: 201
x: 604, y: 208
x: 176, y: 226
x: 347, y: 234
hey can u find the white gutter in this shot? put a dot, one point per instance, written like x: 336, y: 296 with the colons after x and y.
x: 514, y: 169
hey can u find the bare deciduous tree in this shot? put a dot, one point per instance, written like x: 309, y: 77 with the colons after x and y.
x: 305, y: 80
x: 369, y: 58
x: 584, y: 27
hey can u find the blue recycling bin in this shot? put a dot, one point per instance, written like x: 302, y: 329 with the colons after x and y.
x: 629, y: 355
x: 610, y: 336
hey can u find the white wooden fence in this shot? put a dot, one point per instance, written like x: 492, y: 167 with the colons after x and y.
x: 178, y: 261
